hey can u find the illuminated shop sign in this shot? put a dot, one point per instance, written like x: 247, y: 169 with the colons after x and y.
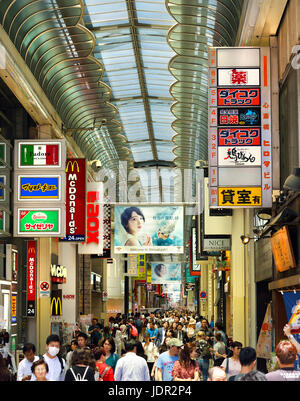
x: 39, y: 187
x: 31, y: 278
x: 75, y: 200
x: 240, y: 131
x: 41, y: 221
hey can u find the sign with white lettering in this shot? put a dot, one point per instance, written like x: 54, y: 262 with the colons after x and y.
x: 240, y: 131
x: 75, y: 200
x: 94, y: 220
x: 31, y: 278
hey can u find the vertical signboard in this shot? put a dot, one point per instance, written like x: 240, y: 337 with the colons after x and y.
x: 94, y: 220
x: 31, y: 278
x: 240, y: 146
x: 75, y: 200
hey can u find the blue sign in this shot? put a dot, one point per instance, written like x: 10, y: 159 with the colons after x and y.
x: 44, y: 187
x: 2, y: 183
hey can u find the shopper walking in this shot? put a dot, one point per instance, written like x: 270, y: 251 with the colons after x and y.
x: 56, y: 364
x: 105, y: 371
x: 131, y: 367
x: 5, y: 374
x: 247, y: 359
x: 40, y: 369
x: 219, y: 350
x: 80, y: 369
x: 203, y: 353
x: 151, y: 352
x: 232, y: 365
x: 166, y: 360
x: 286, y: 355
x: 24, y: 368
x: 109, y: 347
x: 186, y: 368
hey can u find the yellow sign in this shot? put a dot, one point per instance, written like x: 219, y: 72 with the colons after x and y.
x: 242, y: 196
x: 149, y: 278
x: 72, y: 164
x: 141, y: 275
x: 282, y: 250
x: 58, y: 308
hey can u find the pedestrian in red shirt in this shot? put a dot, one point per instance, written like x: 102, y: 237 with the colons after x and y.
x: 106, y: 373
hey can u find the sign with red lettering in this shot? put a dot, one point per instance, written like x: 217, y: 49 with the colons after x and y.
x: 75, y: 200
x: 31, y: 278
x: 94, y: 220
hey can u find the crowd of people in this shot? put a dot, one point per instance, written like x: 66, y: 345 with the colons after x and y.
x: 171, y: 346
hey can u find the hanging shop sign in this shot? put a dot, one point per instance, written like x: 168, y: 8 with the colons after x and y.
x: 282, y: 250
x: 39, y: 153
x: 58, y: 274
x: 239, y: 137
x: 56, y: 303
x: 14, y: 308
x: 215, y: 244
x: 94, y: 220
x: 149, y: 229
x: 39, y: 222
x: 75, y: 200
x: 132, y: 265
x: 31, y: 278
x: 38, y: 187
x: 141, y: 268
x: 239, y: 97
x: 240, y: 145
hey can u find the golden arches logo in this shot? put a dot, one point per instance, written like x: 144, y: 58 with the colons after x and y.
x: 73, y: 164
x: 31, y: 250
x: 57, y: 302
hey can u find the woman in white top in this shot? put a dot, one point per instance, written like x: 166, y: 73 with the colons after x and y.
x: 151, y: 351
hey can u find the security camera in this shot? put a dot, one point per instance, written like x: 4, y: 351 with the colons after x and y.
x: 95, y: 163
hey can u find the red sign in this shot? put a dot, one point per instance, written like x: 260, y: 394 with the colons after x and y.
x: 239, y: 97
x: 75, y: 199
x: 239, y: 136
x: 31, y: 277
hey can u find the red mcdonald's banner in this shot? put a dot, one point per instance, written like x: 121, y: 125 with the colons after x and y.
x: 75, y: 200
x: 31, y: 277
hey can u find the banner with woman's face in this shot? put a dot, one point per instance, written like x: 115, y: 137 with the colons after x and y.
x: 164, y: 273
x: 149, y: 229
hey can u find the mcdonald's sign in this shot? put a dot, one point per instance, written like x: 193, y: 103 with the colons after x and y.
x: 31, y: 277
x: 56, y: 303
x: 75, y: 200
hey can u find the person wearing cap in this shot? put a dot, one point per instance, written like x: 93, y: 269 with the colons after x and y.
x: 166, y: 360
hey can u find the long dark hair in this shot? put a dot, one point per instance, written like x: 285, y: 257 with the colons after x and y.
x: 185, y: 355
x: 5, y: 374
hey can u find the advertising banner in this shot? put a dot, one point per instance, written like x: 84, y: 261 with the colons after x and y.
x: 31, y: 278
x: 39, y: 187
x: 38, y: 154
x: 75, y: 200
x: 292, y: 302
x: 149, y: 229
x: 264, y: 343
x: 41, y: 221
x: 164, y: 273
x: 240, y: 129
x: 94, y: 220
x: 14, y: 308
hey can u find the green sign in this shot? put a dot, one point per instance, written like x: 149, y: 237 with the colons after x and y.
x: 39, y: 221
x: 189, y: 279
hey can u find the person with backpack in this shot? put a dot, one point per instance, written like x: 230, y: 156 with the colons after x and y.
x: 132, y: 330
x: 56, y: 364
x: 204, y: 354
x: 80, y: 369
x: 106, y: 372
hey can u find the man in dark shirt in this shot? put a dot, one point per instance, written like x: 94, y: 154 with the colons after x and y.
x: 95, y: 332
